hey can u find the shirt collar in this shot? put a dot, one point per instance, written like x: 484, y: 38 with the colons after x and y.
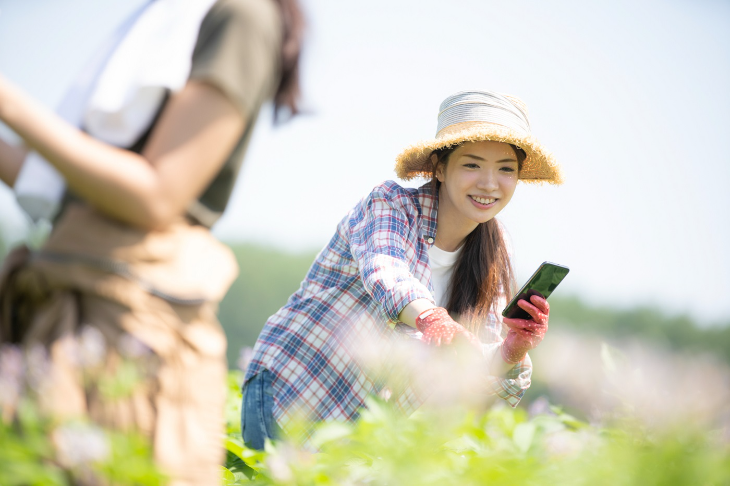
x: 429, y: 211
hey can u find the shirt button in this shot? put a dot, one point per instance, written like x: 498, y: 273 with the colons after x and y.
x: 430, y: 240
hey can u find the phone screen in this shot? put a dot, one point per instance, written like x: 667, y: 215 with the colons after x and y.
x: 545, y: 279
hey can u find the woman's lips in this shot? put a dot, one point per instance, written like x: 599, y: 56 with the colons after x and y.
x: 483, y: 202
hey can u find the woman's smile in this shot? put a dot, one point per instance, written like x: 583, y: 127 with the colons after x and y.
x: 483, y: 202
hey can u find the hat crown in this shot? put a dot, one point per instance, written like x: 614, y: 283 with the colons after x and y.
x: 484, y: 107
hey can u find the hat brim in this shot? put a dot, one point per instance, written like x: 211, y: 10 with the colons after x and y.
x: 539, y: 166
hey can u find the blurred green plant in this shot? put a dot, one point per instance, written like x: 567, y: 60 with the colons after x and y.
x: 36, y: 449
x: 501, y: 446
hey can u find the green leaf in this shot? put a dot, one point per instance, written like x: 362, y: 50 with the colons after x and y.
x: 330, y: 432
x: 523, y: 435
x: 228, y: 478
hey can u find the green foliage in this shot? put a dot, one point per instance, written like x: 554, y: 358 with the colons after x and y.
x: 26, y: 454
x: 502, y: 446
x: 37, y: 451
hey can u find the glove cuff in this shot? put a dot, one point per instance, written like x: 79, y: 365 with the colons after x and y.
x: 431, y: 316
x: 509, y: 357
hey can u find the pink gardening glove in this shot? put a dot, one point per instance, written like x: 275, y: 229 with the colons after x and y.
x: 439, y: 328
x: 526, y: 334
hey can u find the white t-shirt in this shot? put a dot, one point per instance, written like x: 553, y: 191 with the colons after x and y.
x: 442, y: 267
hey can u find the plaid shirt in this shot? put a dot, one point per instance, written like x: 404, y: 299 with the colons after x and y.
x: 374, y: 265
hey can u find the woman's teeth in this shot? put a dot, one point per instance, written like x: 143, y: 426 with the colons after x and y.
x: 483, y: 200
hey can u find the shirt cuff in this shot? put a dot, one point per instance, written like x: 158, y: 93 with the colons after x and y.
x: 513, y: 386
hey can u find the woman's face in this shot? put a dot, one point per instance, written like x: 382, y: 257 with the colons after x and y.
x: 477, y: 182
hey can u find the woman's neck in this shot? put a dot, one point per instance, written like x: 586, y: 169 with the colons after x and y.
x: 451, y: 230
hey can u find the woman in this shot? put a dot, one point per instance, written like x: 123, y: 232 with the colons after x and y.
x: 148, y: 166
x: 430, y: 260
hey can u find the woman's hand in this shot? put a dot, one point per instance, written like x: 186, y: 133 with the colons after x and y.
x: 526, y: 334
x: 439, y: 328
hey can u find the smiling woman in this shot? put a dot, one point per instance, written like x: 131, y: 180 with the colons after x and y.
x: 426, y: 265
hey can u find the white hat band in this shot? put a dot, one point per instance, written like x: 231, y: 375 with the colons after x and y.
x: 484, y: 107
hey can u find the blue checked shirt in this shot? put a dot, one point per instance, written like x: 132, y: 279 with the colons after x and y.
x: 375, y: 264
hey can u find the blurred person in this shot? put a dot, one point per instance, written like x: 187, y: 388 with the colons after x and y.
x: 427, y: 264
x: 134, y: 169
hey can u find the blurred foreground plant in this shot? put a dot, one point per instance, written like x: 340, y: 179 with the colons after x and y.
x: 502, y: 446
x: 545, y: 446
x: 37, y: 449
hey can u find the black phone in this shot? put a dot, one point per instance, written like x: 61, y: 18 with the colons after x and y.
x: 545, y: 279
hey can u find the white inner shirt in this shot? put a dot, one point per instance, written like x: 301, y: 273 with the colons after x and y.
x: 442, y: 267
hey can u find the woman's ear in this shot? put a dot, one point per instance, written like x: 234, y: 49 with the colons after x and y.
x: 438, y: 170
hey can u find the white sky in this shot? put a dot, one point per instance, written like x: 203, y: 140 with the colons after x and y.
x: 631, y: 95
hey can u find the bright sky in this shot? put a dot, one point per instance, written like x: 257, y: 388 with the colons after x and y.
x: 631, y: 95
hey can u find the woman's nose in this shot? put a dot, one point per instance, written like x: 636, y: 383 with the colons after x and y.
x: 488, y: 181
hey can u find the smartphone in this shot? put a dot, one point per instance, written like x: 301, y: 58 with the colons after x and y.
x: 545, y: 279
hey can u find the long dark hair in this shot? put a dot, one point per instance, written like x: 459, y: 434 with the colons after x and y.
x: 483, y: 272
x: 288, y: 92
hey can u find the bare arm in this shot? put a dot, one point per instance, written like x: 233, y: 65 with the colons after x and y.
x: 413, y: 309
x: 194, y: 135
x: 11, y: 159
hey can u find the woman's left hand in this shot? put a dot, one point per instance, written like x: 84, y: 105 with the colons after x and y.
x: 526, y: 334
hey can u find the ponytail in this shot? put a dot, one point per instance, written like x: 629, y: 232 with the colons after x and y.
x: 288, y: 92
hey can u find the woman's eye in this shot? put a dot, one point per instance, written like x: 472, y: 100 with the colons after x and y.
x: 508, y: 169
x: 471, y: 166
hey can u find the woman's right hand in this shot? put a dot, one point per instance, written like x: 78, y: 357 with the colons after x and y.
x: 439, y: 328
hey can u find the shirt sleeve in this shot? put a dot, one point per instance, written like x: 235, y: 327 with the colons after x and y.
x: 515, y: 383
x: 383, y: 242
x: 238, y: 51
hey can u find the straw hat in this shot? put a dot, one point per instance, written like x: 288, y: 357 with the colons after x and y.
x: 475, y: 116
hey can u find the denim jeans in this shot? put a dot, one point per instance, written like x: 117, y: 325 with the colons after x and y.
x: 257, y: 418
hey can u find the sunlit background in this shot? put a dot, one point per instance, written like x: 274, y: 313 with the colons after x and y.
x: 631, y: 95
x: 632, y: 381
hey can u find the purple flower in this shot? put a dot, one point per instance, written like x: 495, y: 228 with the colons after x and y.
x: 80, y: 444
x: 38, y: 367
x: 92, y: 346
x: 132, y: 348
x: 12, y: 371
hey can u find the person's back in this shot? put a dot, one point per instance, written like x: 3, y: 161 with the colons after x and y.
x: 131, y: 255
